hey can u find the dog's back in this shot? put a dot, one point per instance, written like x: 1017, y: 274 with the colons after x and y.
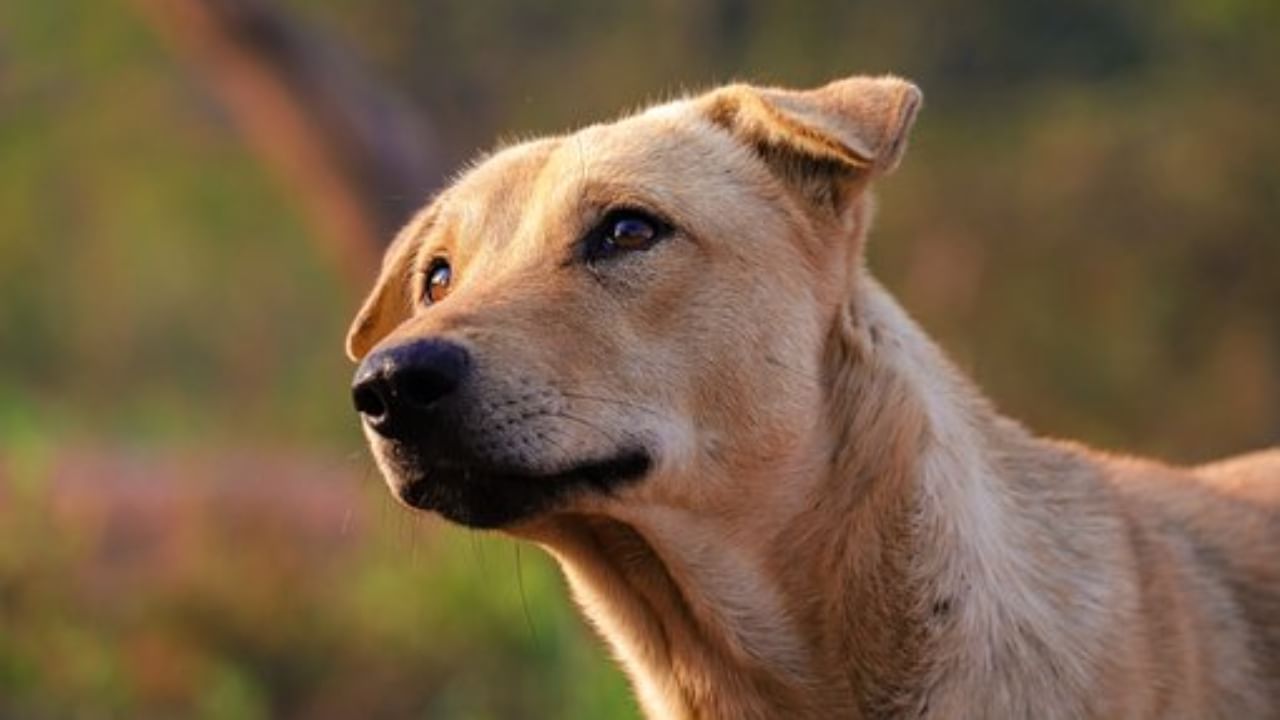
x: 1205, y: 548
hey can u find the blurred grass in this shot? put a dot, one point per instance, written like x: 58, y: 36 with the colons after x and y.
x: 1086, y: 219
x: 232, y: 584
x: 142, y: 248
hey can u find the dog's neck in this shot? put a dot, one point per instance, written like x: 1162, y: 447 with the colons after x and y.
x: 889, y: 588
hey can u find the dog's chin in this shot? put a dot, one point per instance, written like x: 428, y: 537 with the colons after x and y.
x: 482, y: 496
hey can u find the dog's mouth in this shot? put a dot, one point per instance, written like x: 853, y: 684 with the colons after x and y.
x: 480, y: 496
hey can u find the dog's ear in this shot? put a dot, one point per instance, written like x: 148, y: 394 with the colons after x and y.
x: 826, y: 142
x: 390, y: 302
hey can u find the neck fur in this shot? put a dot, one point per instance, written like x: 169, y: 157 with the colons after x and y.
x: 889, y: 589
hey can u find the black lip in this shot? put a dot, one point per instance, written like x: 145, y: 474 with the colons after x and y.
x: 483, y: 497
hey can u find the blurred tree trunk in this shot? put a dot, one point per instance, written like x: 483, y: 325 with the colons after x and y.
x: 358, y: 159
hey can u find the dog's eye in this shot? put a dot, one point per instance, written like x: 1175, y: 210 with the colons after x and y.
x: 439, y: 275
x: 624, y: 231
x: 632, y: 232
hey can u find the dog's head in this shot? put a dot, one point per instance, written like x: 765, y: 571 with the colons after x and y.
x: 632, y: 313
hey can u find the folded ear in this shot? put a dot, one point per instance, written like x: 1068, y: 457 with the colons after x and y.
x: 825, y: 141
x: 390, y: 302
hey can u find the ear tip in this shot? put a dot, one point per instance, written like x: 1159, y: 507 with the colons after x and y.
x: 911, y: 101
x: 912, y: 96
x: 908, y: 90
x: 904, y: 100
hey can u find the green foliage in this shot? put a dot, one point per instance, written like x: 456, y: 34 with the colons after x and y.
x: 1086, y: 219
x: 200, y: 600
x: 143, y: 251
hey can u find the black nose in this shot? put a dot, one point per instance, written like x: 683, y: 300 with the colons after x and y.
x: 396, y: 388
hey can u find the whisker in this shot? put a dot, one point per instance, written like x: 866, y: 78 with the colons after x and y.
x: 586, y: 423
x: 612, y: 401
x: 564, y: 451
x: 355, y: 457
x: 369, y: 473
x: 524, y: 599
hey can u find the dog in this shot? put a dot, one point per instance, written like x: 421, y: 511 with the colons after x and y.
x: 653, y: 348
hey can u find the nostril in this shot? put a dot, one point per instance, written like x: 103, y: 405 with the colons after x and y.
x: 422, y: 386
x: 427, y: 371
x: 368, y: 400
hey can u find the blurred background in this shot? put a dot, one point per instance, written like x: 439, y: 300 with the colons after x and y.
x: 193, y: 195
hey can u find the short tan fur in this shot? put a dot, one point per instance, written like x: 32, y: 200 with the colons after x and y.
x: 835, y: 522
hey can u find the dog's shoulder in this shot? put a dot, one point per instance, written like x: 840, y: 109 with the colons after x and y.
x: 1219, y: 524
x: 1229, y: 509
x: 1254, y: 477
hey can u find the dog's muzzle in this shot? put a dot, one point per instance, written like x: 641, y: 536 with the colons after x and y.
x: 414, y: 396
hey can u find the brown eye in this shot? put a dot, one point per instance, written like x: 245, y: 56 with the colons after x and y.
x: 632, y: 232
x: 624, y: 231
x: 439, y: 277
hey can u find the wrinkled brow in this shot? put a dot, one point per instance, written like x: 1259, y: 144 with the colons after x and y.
x: 423, y: 228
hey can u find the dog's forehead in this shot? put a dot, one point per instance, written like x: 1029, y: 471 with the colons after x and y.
x: 668, y: 157
x: 499, y: 182
x: 657, y: 142
x: 666, y: 143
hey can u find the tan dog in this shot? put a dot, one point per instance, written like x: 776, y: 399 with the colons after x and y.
x: 653, y: 348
